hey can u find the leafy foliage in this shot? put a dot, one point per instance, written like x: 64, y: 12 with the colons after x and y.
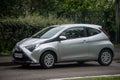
x: 16, y: 8
x: 14, y: 29
x: 20, y: 18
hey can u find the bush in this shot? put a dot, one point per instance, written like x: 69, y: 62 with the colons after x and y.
x: 13, y: 30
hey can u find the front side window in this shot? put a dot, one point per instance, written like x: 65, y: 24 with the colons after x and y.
x: 91, y: 31
x: 75, y: 32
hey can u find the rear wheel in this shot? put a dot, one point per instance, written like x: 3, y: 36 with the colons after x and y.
x: 47, y: 60
x: 105, y: 57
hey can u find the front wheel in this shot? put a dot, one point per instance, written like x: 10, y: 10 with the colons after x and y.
x: 105, y: 57
x: 47, y: 60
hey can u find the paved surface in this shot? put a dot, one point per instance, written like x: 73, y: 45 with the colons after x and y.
x: 9, y: 71
x: 34, y: 72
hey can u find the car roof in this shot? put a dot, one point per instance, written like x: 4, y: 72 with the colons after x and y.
x: 79, y: 25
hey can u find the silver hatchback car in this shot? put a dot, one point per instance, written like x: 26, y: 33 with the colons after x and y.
x: 67, y: 42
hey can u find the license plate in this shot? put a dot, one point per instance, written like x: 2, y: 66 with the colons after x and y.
x: 18, y: 55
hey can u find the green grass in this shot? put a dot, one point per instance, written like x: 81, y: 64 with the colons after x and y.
x: 117, y: 45
x: 5, y: 53
x: 100, y: 78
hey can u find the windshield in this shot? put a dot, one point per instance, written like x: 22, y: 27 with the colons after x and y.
x: 47, y: 32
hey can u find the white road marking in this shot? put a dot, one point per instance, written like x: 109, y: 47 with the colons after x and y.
x: 85, y: 77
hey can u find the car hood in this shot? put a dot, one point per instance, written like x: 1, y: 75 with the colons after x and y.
x: 30, y: 41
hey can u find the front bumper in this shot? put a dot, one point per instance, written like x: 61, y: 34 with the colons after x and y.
x: 21, y: 60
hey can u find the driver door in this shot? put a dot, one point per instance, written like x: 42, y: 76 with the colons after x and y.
x: 75, y: 46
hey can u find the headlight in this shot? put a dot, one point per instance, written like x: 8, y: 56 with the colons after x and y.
x: 16, y: 48
x: 31, y: 47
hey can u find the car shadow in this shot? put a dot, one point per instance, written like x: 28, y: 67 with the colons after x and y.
x: 69, y: 65
x: 6, y: 64
x: 58, y: 66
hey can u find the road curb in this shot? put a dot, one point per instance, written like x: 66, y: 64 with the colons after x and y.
x: 86, y: 77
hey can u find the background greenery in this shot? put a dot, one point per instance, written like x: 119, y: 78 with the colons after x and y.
x: 22, y: 18
x: 14, y: 29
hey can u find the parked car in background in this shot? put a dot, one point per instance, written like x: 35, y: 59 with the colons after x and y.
x: 62, y: 43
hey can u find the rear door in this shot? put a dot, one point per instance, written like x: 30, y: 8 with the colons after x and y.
x: 94, y: 42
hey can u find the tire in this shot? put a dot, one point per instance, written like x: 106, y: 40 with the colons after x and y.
x: 47, y: 60
x: 105, y: 57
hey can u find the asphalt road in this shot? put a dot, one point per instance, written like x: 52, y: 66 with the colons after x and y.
x: 9, y: 71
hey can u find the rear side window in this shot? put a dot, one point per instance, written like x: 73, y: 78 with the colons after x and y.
x: 92, y: 32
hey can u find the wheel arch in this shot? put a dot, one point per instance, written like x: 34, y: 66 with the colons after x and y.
x: 107, y: 48
x: 53, y: 52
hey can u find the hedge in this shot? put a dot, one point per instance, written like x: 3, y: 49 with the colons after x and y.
x: 13, y: 30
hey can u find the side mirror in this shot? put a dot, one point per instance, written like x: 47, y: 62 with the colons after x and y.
x: 62, y: 38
